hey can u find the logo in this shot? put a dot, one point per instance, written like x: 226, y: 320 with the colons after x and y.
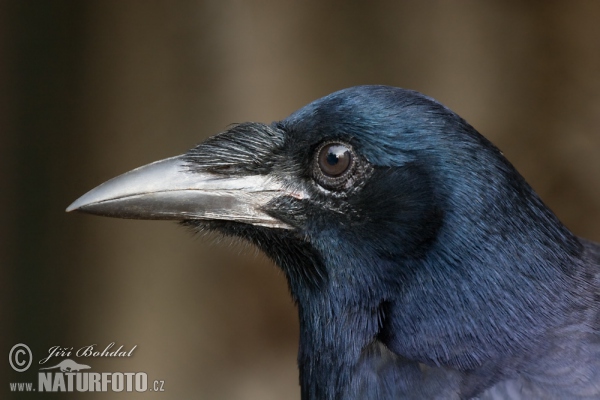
x: 69, y: 366
x: 69, y: 375
x: 20, y: 357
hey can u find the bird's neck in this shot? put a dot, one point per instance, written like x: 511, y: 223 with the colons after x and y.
x: 332, y: 341
x: 338, y: 316
x: 481, y: 311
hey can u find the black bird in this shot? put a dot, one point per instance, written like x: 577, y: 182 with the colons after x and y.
x: 422, y: 264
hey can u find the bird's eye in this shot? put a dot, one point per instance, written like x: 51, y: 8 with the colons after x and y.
x: 334, y: 159
x: 334, y: 163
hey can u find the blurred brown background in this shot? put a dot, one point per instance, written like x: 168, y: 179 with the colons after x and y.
x: 89, y: 90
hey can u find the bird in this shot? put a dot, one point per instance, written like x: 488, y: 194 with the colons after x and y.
x: 421, y: 263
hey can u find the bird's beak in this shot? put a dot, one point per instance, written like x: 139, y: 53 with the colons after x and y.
x: 169, y: 189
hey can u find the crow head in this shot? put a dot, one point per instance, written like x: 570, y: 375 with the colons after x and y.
x: 392, y: 218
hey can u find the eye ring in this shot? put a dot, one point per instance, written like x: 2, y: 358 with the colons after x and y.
x: 334, y: 163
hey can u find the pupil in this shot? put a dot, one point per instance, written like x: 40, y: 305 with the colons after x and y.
x: 332, y: 158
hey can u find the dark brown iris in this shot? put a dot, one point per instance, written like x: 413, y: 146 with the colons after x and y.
x: 335, y: 159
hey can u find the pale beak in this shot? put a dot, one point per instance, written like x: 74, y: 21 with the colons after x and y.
x: 170, y: 189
